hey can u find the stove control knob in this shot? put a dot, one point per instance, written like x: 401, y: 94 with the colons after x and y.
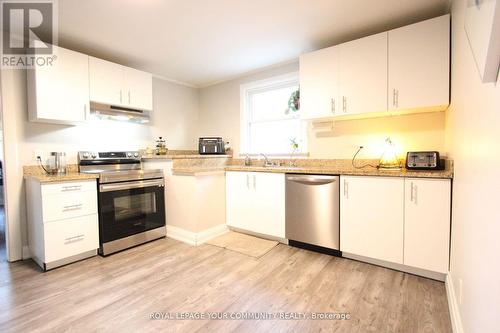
x: 129, y: 154
x: 86, y: 155
x: 94, y: 155
x: 136, y: 154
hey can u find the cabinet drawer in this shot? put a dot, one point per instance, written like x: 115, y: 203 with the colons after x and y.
x: 70, y: 237
x: 69, y: 187
x: 68, y: 205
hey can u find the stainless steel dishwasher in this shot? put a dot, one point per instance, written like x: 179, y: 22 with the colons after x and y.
x: 312, y: 212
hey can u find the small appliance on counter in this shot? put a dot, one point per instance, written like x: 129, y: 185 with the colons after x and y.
x: 57, y: 163
x: 424, y: 160
x: 161, y: 147
x: 211, y: 146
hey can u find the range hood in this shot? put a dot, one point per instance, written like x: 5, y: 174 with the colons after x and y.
x: 113, y: 112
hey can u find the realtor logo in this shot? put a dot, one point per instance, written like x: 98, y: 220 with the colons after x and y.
x: 28, y: 33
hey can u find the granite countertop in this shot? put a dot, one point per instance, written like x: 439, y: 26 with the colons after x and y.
x: 368, y: 171
x: 70, y: 176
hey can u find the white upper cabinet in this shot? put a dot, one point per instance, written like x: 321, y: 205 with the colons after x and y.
x: 319, y: 92
x: 139, y: 87
x: 371, y: 217
x: 60, y: 93
x: 403, y: 70
x: 118, y: 85
x: 363, y: 75
x: 106, y: 82
x: 419, y: 65
x: 427, y: 223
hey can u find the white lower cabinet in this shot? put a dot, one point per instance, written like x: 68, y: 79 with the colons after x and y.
x: 63, y: 222
x: 70, y: 237
x: 397, y: 220
x: 255, y: 201
x: 371, y: 217
x: 427, y: 223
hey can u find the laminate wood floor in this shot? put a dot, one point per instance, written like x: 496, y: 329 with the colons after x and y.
x: 119, y: 293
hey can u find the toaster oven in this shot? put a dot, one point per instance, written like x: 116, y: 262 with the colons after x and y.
x: 424, y: 160
x: 211, y: 146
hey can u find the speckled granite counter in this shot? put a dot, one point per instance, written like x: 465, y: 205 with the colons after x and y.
x: 34, y: 171
x: 368, y: 171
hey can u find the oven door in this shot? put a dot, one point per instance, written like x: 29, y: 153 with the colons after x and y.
x: 129, y: 208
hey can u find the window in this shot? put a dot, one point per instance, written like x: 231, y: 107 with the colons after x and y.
x: 267, y: 124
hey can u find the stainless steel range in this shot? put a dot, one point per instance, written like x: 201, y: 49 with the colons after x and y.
x: 131, y: 200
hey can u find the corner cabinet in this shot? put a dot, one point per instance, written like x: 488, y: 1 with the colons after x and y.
x: 398, y: 220
x: 118, y: 85
x: 427, y: 223
x: 60, y: 93
x: 419, y: 65
x: 255, y: 202
x: 397, y: 71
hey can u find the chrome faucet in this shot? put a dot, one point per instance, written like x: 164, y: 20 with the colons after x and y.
x: 267, y: 162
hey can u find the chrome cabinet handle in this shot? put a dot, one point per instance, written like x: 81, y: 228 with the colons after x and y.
x: 85, y: 110
x: 129, y: 97
x: 248, y: 181
x: 413, y: 193
x: 72, y: 207
x: 332, y: 106
x: 121, y: 96
x: 74, y: 239
x: 346, y: 189
x: 396, y: 98
x: 344, y: 104
x: 254, y: 183
x: 71, y: 188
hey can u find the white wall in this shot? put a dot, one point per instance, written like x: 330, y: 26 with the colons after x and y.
x: 473, y: 137
x: 175, y: 117
x: 220, y: 115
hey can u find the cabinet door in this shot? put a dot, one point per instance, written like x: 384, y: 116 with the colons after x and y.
x: 371, y: 217
x: 269, y: 204
x: 319, y: 84
x: 419, y: 65
x: 239, y: 200
x: 60, y: 93
x: 427, y: 223
x: 138, y: 89
x: 363, y: 75
x: 106, y: 82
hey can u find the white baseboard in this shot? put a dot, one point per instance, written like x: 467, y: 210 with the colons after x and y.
x: 193, y: 238
x: 456, y: 321
x: 206, y: 235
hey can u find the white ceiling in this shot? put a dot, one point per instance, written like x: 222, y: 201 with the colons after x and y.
x: 200, y: 42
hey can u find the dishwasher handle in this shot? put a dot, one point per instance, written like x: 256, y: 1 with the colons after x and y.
x: 312, y: 179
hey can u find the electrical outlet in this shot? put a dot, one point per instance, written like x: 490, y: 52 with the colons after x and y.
x: 460, y: 291
x: 36, y: 154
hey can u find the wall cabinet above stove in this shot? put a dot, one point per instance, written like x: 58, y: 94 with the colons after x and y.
x: 405, y: 70
x: 117, y: 85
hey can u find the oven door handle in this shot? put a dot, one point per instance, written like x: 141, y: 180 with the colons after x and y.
x: 131, y: 185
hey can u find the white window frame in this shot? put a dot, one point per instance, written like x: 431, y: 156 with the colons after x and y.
x: 263, y: 85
